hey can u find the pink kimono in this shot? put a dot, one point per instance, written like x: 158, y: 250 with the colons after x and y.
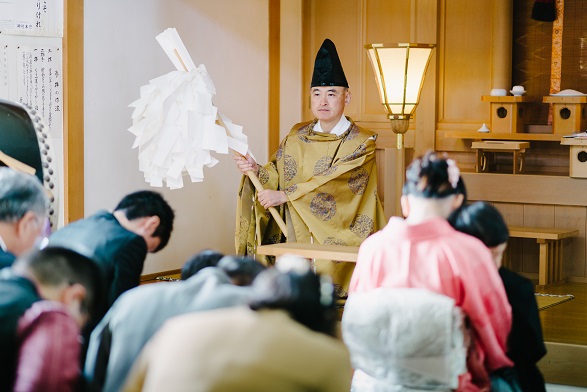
x: 434, y: 256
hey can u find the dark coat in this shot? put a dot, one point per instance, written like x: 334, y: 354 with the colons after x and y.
x: 6, y: 258
x: 17, y: 294
x: 526, y: 344
x: 120, y: 253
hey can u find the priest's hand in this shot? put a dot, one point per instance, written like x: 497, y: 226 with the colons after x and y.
x: 270, y: 198
x: 246, y: 163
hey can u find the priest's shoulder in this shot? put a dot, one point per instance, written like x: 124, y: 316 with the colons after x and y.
x: 299, y: 126
x: 367, y: 132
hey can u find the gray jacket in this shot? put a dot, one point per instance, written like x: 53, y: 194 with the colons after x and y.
x: 135, y: 317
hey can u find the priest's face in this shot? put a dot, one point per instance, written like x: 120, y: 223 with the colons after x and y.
x: 328, y: 103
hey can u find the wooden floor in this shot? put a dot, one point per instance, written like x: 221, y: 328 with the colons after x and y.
x: 565, y: 332
x: 567, y: 322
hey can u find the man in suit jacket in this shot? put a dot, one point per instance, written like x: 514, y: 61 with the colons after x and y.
x: 23, y: 210
x: 119, y: 241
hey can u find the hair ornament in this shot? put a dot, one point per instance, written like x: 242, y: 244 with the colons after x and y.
x: 453, y: 172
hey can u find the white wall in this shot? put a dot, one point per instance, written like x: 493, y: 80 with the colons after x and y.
x: 121, y: 54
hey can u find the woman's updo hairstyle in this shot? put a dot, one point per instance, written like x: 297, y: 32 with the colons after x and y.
x: 432, y: 176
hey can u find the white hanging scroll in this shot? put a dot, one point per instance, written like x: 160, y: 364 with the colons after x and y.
x: 40, y: 83
x: 43, y: 18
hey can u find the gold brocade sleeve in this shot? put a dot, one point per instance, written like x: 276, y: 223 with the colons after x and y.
x: 254, y: 225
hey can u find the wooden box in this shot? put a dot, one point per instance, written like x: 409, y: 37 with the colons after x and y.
x: 507, y: 113
x: 578, y: 157
x: 568, y: 113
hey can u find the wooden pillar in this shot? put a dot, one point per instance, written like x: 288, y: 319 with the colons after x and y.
x: 424, y: 30
x: 73, y: 110
x: 274, y: 74
x: 502, y: 44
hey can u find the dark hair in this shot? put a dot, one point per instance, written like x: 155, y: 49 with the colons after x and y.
x: 308, y: 298
x: 461, y: 190
x: 53, y: 266
x: 242, y: 269
x: 143, y: 204
x: 199, y: 261
x: 428, y: 177
x: 483, y: 221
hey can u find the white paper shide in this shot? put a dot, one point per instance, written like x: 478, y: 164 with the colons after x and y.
x: 175, y: 121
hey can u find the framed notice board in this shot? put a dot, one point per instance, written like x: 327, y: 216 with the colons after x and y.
x: 41, y: 65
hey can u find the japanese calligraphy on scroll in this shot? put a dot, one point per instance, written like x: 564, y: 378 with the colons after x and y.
x: 39, y: 83
x: 32, y: 17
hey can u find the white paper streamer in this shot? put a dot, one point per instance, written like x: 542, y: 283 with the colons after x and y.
x: 174, y: 121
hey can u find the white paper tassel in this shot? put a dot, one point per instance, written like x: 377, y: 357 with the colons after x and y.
x: 174, y: 121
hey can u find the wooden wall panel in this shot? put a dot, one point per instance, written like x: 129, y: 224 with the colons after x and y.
x: 527, y: 189
x: 385, y: 22
x: 426, y: 31
x: 465, y: 60
x: 513, y: 214
x: 343, y: 25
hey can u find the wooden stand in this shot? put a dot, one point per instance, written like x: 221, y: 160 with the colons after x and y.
x: 507, y: 113
x: 578, y: 156
x: 311, y: 251
x: 485, y: 153
x: 550, y: 257
x: 568, y: 114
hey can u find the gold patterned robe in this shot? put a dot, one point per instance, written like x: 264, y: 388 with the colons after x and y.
x: 331, y: 186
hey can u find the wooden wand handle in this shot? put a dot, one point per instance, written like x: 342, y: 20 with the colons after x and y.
x: 259, y: 187
x: 272, y: 210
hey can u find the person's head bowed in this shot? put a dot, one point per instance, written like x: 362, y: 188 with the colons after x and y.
x: 148, y: 215
x: 242, y: 270
x: 65, y: 276
x: 295, y: 288
x: 23, y: 210
x: 199, y: 261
